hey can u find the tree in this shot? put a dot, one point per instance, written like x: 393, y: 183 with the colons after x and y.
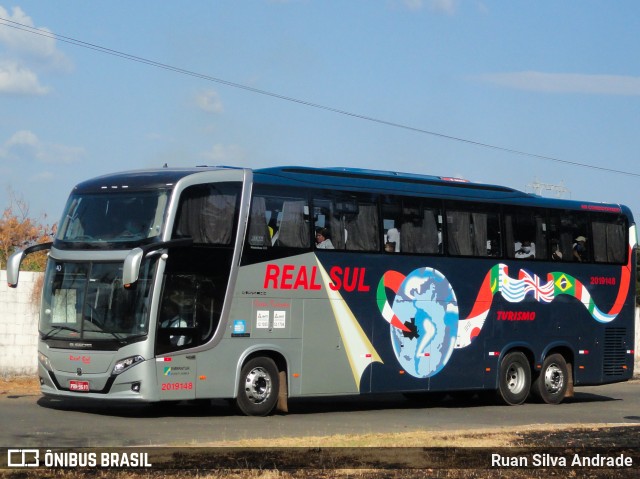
x: 19, y: 231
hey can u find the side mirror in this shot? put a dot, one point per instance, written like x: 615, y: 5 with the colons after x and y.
x: 13, y: 268
x: 132, y: 262
x: 13, y: 264
x: 131, y: 267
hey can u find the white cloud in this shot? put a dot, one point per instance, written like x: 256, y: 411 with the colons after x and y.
x: 225, y: 155
x: 23, y: 137
x: 20, y: 41
x: 25, y: 146
x: 209, y: 101
x: 24, y: 55
x: 18, y: 79
x: 566, y: 82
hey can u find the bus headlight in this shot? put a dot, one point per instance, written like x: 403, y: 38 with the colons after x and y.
x: 44, y: 361
x: 126, y: 363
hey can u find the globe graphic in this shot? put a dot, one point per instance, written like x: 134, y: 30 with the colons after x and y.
x: 426, y: 303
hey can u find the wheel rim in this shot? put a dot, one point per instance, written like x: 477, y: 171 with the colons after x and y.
x: 515, y: 378
x: 257, y: 385
x: 553, y: 379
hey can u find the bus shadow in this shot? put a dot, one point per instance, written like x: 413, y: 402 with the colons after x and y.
x: 297, y: 406
x: 196, y: 408
x: 461, y: 399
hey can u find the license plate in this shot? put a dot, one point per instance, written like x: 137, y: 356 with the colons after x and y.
x: 79, y: 386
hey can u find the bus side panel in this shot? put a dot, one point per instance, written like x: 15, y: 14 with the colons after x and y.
x: 326, y: 368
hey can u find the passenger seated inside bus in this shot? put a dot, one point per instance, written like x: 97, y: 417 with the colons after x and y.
x: 579, y: 249
x: 392, y: 241
x: 556, y: 253
x: 527, y: 250
x: 323, y: 239
x: 273, y: 228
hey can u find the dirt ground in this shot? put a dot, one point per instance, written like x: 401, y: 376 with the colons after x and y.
x: 19, y: 386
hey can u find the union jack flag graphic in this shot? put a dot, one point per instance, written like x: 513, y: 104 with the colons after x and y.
x: 532, y: 284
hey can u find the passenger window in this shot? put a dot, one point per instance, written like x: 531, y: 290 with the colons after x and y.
x: 525, y: 234
x: 278, y: 221
x: 609, y: 235
x: 568, y: 234
x: 349, y: 221
x: 472, y: 232
x: 208, y: 213
x: 412, y: 225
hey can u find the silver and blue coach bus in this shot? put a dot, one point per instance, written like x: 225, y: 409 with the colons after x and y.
x: 258, y: 286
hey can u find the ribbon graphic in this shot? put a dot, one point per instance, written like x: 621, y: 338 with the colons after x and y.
x: 513, y: 290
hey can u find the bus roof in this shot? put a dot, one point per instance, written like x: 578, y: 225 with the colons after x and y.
x: 349, y: 179
x: 364, y: 178
x: 139, y: 179
x: 424, y: 185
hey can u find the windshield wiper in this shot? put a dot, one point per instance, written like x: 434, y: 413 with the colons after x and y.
x: 56, y: 329
x: 118, y: 338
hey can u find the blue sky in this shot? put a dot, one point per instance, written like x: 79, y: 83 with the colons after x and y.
x: 549, y: 78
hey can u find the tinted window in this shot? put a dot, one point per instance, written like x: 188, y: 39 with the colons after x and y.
x: 525, y: 233
x: 609, y: 235
x: 472, y: 230
x: 208, y: 213
x: 412, y: 225
x: 351, y: 221
x: 566, y: 228
x: 278, y: 220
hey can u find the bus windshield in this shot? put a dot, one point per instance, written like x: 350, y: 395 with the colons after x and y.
x: 113, y: 217
x: 85, y: 300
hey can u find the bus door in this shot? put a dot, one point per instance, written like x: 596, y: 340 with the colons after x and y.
x: 177, y: 376
x: 188, y: 317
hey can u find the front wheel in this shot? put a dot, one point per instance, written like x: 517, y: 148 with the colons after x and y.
x: 515, y: 379
x: 258, y: 387
x: 552, y: 382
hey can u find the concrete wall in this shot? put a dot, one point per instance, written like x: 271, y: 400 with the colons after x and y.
x: 19, y: 328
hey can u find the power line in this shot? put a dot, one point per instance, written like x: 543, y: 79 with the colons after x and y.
x: 108, y: 51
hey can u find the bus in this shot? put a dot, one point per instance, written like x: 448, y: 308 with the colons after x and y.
x: 262, y: 285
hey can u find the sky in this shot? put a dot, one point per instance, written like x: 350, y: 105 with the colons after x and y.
x: 505, y: 92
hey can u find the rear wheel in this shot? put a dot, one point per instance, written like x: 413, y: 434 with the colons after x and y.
x: 258, y: 387
x: 551, y: 384
x: 514, y: 381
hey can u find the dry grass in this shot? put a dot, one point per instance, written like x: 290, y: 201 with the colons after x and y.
x: 19, y: 386
x: 488, y: 438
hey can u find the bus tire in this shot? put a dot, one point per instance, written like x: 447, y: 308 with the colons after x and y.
x: 551, y: 384
x: 258, y: 387
x: 514, y: 381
